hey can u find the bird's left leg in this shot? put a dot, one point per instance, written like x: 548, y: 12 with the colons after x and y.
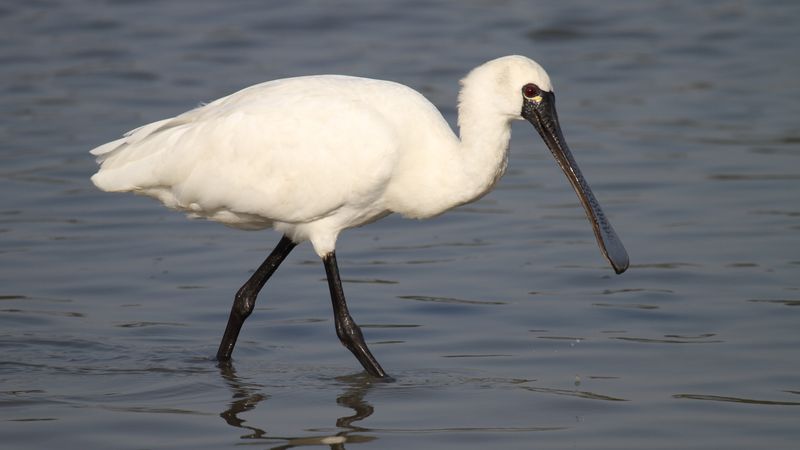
x: 349, y: 333
x: 245, y: 299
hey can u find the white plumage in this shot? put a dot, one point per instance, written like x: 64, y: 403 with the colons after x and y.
x: 312, y: 156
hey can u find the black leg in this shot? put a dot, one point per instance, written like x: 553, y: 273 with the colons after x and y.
x: 245, y: 299
x: 346, y: 328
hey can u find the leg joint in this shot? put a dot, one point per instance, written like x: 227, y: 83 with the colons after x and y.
x: 348, y: 332
x: 244, y: 302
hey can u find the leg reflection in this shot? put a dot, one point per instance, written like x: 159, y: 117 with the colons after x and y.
x: 353, y: 398
x: 247, y: 396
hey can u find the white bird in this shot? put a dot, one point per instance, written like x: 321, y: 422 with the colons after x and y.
x: 312, y: 156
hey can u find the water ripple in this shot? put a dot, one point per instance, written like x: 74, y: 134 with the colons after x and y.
x: 720, y: 398
x: 574, y: 393
x: 787, y: 302
x: 425, y: 298
x: 672, y: 339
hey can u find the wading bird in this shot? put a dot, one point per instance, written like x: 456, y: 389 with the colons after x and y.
x: 312, y: 156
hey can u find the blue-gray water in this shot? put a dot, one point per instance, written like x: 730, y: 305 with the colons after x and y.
x: 500, y: 321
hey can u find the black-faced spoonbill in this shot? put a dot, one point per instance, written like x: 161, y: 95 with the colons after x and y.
x: 312, y: 156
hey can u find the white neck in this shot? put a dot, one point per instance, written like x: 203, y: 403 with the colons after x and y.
x: 483, y: 150
x: 447, y: 171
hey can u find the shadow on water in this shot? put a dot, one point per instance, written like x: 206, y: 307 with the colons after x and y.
x: 247, y: 396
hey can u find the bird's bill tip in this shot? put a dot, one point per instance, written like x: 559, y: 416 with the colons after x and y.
x: 617, y: 255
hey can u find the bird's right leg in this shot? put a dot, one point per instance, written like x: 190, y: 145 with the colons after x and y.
x: 245, y: 299
x: 349, y: 333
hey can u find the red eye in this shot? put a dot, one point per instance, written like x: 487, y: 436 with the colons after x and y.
x: 531, y: 90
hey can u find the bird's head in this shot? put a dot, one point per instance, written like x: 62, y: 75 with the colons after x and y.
x: 516, y: 87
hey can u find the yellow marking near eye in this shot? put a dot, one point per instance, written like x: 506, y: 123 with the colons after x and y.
x: 537, y: 99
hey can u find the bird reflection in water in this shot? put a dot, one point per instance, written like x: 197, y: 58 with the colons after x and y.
x: 246, y: 396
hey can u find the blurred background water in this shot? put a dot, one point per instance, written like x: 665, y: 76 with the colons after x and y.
x: 500, y: 321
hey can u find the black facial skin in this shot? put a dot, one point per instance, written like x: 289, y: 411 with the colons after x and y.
x: 539, y: 108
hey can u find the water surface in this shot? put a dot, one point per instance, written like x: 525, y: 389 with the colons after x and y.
x: 500, y: 321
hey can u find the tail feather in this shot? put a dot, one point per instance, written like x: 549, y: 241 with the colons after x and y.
x: 132, y: 137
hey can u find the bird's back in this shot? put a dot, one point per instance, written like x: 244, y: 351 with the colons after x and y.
x: 292, y: 151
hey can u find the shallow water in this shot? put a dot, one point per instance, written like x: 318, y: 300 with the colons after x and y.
x: 500, y: 322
